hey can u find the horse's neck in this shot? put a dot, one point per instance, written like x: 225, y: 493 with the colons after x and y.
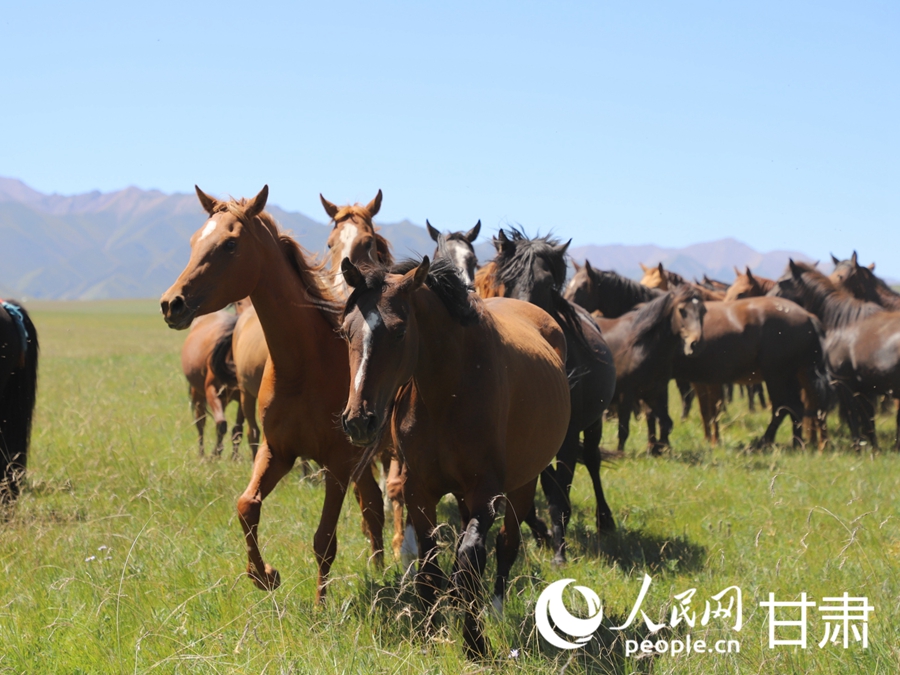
x: 834, y: 308
x: 886, y: 296
x: 442, y: 346
x: 297, y: 333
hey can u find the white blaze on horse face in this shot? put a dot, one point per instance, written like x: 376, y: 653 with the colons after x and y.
x: 345, y: 245
x: 208, y: 229
x: 373, y: 320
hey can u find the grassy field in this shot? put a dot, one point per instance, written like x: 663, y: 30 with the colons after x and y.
x: 125, y: 554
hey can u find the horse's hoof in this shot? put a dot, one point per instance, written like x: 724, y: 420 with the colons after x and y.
x: 559, y: 560
x: 265, y: 582
x: 606, y: 525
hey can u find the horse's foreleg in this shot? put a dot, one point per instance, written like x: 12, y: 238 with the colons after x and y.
x: 471, y: 557
x: 625, y: 408
x: 237, y: 433
x: 325, y: 541
x: 430, y: 577
x: 248, y: 408
x: 372, y: 506
x: 198, y: 409
x: 556, y: 487
x: 518, y: 505
x: 592, y: 436
x: 269, y: 467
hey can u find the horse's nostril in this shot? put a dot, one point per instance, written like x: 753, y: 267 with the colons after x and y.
x: 176, y: 307
x: 372, y: 422
x: 164, y: 307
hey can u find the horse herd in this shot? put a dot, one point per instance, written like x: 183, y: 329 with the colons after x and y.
x: 469, y: 381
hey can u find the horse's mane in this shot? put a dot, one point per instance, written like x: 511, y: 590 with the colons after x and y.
x: 442, y: 280
x: 514, y: 268
x: 675, y: 278
x: 625, y: 290
x: 839, y: 307
x: 486, y: 284
x: 298, y: 258
x: 650, y: 316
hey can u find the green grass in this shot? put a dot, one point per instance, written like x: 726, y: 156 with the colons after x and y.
x: 113, y: 464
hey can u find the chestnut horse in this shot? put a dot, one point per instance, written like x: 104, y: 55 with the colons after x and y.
x: 250, y: 355
x: 353, y: 236
x: 208, y: 366
x: 664, y: 280
x: 241, y: 252
x: 861, y: 344
x: 644, y: 342
x: 458, y: 247
x: 475, y: 396
x: 748, y: 285
x: 534, y: 270
x: 18, y: 392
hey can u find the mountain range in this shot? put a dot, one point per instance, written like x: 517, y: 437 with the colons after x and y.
x: 133, y: 243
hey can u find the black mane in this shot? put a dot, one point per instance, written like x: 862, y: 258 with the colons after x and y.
x: 442, y: 280
x: 838, y: 308
x: 622, y: 292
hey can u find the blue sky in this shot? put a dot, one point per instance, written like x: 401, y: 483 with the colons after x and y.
x: 666, y: 123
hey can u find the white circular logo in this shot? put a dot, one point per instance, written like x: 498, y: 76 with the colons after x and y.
x: 550, y: 606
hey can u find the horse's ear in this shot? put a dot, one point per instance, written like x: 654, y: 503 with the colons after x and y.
x: 502, y: 242
x: 644, y: 268
x: 562, y: 248
x: 660, y: 268
x: 749, y: 274
x: 472, y: 234
x: 587, y: 266
x: 374, y: 206
x: 208, y: 203
x: 576, y: 265
x: 413, y: 279
x: 433, y: 233
x: 256, y: 205
x: 834, y: 260
x: 853, y: 259
x: 872, y: 266
x: 796, y: 270
x: 330, y: 208
x: 737, y: 272
x: 352, y: 275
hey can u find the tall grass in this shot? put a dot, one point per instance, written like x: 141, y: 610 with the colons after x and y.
x: 125, y: 554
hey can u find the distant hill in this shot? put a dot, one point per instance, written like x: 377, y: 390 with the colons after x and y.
x: 133, y: 243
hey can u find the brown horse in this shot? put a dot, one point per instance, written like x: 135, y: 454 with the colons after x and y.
x: 863, y: 283
x: 660, y: 278
x: 18, y: 391
x: 475, y: 396
x: 241, y: 252
x: 861, y: 344
x: 353, y: 236
x: 208, y: 366
x: 458, y: 246
x: 748, y: 285
x: 250, y: 356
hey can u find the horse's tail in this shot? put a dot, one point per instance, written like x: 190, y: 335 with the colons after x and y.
x: 221, y: 360
x: 818, y: 371
x: 16, y: 412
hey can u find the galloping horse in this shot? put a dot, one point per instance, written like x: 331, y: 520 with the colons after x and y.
x: 861, y: 344
x: 241, y: 252
x: 353, y: 236
x: 475, y: 396
x: 643, y: 342
x: 534, y: 270
x: 18, y: 391
x: 208, y: 365
x: 457, y: 246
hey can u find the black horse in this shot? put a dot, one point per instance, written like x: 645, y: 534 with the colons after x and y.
x: 18, y: 389
x: 534, y: 270
x: 457, y: 247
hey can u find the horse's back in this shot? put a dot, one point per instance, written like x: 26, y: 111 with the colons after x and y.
x: 539, y: 407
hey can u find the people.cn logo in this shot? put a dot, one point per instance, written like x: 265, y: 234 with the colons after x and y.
x: 550, y: 606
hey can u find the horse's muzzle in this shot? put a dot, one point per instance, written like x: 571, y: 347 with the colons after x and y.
x: 176, y: 313
x: 361, y: 429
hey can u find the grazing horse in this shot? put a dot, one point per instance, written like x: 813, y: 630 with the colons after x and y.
x: 644, y: 342
x: 458, y: 247
x: 240, y: 252
x: 208, y: 365
x: 534, y: 270
x: 353, y: 236
x: 18, y: 390
x: 475, y: 396
x: 861, y: 345
x: 863, y: 283
x: 748, y: 285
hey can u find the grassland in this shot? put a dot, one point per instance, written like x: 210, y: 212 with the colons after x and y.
x: 125, y: 554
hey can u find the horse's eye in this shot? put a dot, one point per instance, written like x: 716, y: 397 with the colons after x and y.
x: 400, y: 334
x: 230, y: 245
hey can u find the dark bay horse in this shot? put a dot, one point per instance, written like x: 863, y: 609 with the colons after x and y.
x: 353, y: 235
x: 475, y: 396
x: 644, y: 342
x: 18, y: 392
x: 240, y: 252
x: 458, y: 247
x: 208, y: 365
x: 534, y: 270
x: 862, y: 344
x: 863, y: 283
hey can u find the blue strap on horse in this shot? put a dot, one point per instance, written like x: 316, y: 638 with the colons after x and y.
x: 16, y: 313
